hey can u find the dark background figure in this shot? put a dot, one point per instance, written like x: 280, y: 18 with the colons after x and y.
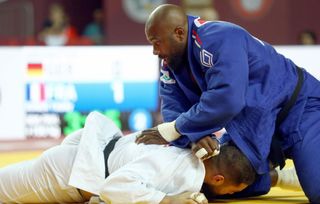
x: 95, y: 29
x: 307, y: 37
x: 57, y: 29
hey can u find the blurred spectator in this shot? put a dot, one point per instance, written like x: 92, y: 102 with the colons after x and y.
x: 307, y: 37
x: 94, y: 30
x: 202, y: 8
x: 57, y: 30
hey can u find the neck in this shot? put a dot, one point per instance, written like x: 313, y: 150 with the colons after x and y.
x: 209, y: 171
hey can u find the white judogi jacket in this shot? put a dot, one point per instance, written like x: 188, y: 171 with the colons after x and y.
x: 138, y: 173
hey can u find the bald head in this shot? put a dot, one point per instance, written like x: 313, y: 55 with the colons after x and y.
x: 167, y: 16
x: 167, y: 30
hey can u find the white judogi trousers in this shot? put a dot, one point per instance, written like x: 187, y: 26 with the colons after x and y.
x: 56, y: 176
x: 44, y: 179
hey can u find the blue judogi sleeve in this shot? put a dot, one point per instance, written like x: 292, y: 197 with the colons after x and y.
x: 226, y: 75
x: 175, y: 100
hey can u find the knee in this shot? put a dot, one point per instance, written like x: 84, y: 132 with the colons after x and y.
x: 312, y: 194
x: 309, y: 181
x: 313, y: 197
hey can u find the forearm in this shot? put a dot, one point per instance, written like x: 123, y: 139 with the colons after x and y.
x: 173, y: 101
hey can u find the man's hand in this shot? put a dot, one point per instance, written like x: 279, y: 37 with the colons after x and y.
x: 206, y: 148
x: 186, y: 198
x: 151, y: 136
x: 162, y: 134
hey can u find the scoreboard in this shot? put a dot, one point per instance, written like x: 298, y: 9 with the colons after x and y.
x: 50, y: 90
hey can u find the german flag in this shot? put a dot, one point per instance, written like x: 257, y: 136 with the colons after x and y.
x: 35, y: 69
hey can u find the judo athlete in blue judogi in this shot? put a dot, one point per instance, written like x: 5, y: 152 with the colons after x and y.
x: 216, y: 75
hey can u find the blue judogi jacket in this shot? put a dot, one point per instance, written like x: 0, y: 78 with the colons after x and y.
x: 232, y: 79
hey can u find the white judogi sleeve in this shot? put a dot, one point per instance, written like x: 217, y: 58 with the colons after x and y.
x: 147, y: 173
x: 73, y: 138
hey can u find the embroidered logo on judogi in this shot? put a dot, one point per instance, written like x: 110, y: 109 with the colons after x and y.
x: 206, y: 58
x: 165, y: 77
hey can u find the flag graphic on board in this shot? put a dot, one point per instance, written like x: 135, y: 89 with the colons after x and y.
x: 35, y: 92
x: 35, y: 69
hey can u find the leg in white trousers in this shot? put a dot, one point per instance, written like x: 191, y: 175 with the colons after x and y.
x: 42, y: 180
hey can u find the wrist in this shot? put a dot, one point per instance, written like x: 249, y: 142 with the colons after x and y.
x: 168, y: 131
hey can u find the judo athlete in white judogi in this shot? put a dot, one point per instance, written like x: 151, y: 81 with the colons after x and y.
x: 75, y: 170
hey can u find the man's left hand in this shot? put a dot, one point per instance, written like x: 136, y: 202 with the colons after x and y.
x: 151, y: 136
x: 206, y: 148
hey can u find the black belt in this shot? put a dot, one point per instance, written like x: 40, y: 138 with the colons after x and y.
x: 106, y: 152
x: 276, y: 155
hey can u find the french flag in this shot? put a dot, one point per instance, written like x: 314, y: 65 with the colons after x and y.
x: 35, y: 92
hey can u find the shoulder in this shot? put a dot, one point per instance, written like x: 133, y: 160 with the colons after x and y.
x: 214, y: 34
x: 219, y: 29
x: 214, y: 29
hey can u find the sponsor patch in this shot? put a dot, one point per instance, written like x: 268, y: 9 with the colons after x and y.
x: 165, y: 77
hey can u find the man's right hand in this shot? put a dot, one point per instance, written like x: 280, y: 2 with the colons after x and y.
x: 162, y: 134
x: 186, y: 198
x: 150, y: 136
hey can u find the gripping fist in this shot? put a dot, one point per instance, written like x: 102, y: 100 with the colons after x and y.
x: 206, y: 148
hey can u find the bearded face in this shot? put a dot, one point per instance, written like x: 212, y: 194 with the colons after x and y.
x: 167, y: 46
x: 177, y: 54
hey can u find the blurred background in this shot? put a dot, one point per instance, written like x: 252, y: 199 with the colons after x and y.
x: 111, y: 22
x: 61, y: 59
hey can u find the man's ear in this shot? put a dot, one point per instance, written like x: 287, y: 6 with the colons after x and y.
x: 217, y: 180
x: 179, y: 32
